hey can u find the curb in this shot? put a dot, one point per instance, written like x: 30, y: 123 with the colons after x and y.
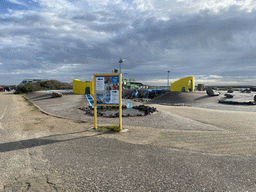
x: 53, y: 115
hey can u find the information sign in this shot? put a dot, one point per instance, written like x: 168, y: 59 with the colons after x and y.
x: 107, y: 91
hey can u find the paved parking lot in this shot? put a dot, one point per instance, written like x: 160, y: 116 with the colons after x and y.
x: 176, y: 149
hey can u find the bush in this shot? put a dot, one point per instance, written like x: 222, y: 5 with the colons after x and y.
x: 42, y: 85
x: 228, y: 87
x: 27, y: 88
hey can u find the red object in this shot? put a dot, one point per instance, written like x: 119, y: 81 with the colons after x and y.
x: 2, y: 88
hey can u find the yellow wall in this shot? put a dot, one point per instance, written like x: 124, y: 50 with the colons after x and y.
x: 177, y: 85
x: 79, y: 86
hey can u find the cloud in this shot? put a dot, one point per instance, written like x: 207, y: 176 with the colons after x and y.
x: 17, y: 2
x: 86, y: 17
x: 56, y: 5
x: 77, y: 39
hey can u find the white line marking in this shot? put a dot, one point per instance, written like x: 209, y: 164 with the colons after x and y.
x: 3, y: 113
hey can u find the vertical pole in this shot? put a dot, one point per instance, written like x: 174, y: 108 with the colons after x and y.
x: 120, y: 67
x: 168, y: 79
x: 168, y: 84
x: 95, y: 103
x: 120, y: 102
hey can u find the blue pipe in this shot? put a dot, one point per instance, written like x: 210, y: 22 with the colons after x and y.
x: 129, y: 105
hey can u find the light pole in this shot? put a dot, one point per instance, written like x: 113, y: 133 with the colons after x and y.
x: 120, y: 61
x: 168, y: 78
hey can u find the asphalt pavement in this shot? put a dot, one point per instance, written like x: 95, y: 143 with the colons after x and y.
x: 100, y: 164
x: 96, y: 163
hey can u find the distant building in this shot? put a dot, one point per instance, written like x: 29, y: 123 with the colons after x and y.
x: 200, y: 87
x: 25, y: 81
x: 131, y: 84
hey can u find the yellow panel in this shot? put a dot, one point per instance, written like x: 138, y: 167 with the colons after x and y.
x: 80, y: 86
x: 182, y: 84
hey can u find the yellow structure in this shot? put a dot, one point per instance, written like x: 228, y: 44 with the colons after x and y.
x: 81, y: 87
x: 184, y: 84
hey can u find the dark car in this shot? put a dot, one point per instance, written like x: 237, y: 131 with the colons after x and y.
x: 8, y: 88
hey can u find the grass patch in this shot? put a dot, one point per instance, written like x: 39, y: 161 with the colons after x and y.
x: 78, y: 121
x: 31, y: 104
x: 109, y: 128
x: 36, y: 109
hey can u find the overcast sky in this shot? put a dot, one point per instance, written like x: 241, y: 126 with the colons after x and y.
x: 214, y: 41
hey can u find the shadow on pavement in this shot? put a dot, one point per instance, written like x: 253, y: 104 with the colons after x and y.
x: 8, y: 93
x: 202, y: 97
x: 35, y: 96
x: 45, y: 98
x: 29, y: 143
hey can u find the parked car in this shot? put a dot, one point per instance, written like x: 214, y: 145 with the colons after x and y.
x: 8, y: 88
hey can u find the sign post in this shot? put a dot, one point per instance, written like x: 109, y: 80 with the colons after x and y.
x: 108, y: 92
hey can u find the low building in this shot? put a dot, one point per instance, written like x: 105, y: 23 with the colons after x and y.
x: 25, y: 81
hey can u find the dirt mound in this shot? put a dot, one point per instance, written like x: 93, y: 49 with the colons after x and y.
x: 185, y: 97
x: 127, y: 92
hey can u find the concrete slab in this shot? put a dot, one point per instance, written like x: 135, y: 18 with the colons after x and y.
x: 66, y: 106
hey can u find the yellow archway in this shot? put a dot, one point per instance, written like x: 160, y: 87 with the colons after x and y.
x: 80, y: 87
x: 184, y: 84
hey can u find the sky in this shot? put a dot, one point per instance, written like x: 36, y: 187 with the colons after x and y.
x: 212, y: 40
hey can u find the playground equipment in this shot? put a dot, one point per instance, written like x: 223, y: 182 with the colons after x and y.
x: 90, y: 100
x: 151, y: 93
x: 184, y: 84
x: 131, y: 84
x: 145, y: 94
x: 129, y: 105
x: 81, y: 87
